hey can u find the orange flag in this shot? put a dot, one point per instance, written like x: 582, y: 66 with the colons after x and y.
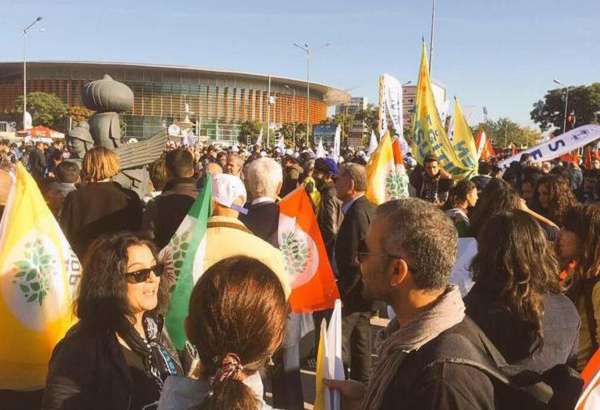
x: 307, y: 264
x: 590, y: 398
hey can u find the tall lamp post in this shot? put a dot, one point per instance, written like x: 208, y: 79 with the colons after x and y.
x: 306, y: 48
x: 293, y: 113
x: 25, y: 31
x: 566, y: 103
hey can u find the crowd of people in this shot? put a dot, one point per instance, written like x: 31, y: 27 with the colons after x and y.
x: 530, y: 318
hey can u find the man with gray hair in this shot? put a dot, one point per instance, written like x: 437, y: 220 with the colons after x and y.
x: 263, y: 179
x: 351, y: 185
x: 409, y: 254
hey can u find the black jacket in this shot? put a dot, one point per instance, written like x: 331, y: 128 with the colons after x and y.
x: 37, y: 164
x: 330, y: 216
x: 164, y: 214
x: 88, y: 371
x: 98, y: 208
x: 263, y: 221
x: 423, y: 384
x: 521, y: 349
x: 351, y: 237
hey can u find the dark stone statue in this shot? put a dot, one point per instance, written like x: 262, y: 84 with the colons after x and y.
x: 108, y: 98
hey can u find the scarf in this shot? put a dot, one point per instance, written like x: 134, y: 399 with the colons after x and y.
x: 158, y: 361
x: 397, y: 342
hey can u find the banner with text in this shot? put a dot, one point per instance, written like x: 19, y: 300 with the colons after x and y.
x: 558, y: 146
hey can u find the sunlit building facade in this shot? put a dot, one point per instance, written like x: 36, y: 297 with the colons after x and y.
x: 219, y: 101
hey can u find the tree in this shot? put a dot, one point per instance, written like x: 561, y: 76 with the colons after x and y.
x: 503, y: 132
x: 584, y: 101
x: 370, y: 116
x: 45, y: 109
x: 249, y: 129
x: 78, y: 114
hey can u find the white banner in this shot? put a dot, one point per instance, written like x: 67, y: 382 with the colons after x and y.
x: 383, y: 126
x: 392, y: 97
x: 558, y: 146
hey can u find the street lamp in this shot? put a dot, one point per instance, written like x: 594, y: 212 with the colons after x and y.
x: 293, y: 113
x: 25, y: 31
x: 566, y: 103
x: 306, y: 48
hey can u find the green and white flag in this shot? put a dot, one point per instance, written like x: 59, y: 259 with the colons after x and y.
x: 183, y: 258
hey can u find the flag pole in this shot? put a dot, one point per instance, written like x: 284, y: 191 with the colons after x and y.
x: 431, y: 37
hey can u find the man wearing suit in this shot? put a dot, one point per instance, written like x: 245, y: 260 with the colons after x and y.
x: 351, y: 186
x: 264, y: 179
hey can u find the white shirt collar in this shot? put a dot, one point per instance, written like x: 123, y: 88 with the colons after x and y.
x: 262, y: 200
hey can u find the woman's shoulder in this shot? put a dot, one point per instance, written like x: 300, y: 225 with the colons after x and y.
x: 561, y: 308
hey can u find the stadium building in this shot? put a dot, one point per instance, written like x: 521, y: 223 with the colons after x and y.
x: 218, y: 101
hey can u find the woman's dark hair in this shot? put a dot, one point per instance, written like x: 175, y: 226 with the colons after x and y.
x: 102, y: 302
x: 498, y: 196
x: 561, y: 197
x: 458, y: 193
x: 584, y: 221
x: 516, y: 265
x: 237, y: 307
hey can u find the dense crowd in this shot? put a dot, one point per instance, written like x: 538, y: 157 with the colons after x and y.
x: 528, y: 319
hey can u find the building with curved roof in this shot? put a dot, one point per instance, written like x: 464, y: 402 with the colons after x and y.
x: 219, y: 101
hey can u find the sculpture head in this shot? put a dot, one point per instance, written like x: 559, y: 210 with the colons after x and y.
x: 107, y: 95
x: 79, y: 141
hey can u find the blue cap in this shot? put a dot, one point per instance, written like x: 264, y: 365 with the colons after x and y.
x: 327, y: 165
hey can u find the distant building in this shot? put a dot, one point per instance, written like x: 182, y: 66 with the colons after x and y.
x: 358, y: 129
x: 218, y: 101
x: 409, y: 99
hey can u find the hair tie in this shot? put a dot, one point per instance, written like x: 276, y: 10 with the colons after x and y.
x: 231, y: 368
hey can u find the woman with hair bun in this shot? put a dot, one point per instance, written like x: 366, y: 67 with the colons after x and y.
x: 236, y: 320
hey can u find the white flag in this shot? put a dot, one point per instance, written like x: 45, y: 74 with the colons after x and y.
x: 320, y: 150
x: 259, y: 139
x: 337, y: 140
x: 372, y: 144
x: 333, y: 354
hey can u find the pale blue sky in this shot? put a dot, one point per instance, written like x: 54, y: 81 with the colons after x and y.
x: 502, y: 54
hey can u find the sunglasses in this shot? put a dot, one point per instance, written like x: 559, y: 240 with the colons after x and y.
x: 142, y: 275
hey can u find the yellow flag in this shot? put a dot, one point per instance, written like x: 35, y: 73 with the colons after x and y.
x: 38, y: 276
x: 386, y: 180
x: 321, y: 391
x: 429, y: 136
x: 463, y: 141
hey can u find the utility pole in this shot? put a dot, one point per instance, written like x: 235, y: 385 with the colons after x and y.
x: 25, y: 31
x: 306, y: 48
x: 268, y: 109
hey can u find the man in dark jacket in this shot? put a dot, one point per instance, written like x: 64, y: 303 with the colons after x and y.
x: 329, y: 216
x: 165, y: 213
x: 37, y: 162
x: 410, y: 251
x: 431, y: 182
x: 351, y: 186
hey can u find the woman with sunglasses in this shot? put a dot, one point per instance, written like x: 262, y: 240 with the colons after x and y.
x: 117, y: 356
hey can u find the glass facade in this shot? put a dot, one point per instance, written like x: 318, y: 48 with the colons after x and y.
x: 219, y: 101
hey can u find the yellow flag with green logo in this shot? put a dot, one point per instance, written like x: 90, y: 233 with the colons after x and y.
x: 38, y: 276
x: 429, y: 135
x: 463, y: 141
x: 386, y: 180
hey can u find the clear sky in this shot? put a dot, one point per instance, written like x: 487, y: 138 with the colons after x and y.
x: 503, y: 54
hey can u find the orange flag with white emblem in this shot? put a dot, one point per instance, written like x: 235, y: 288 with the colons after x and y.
x: 311, y: 277
x: 590, y: 398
